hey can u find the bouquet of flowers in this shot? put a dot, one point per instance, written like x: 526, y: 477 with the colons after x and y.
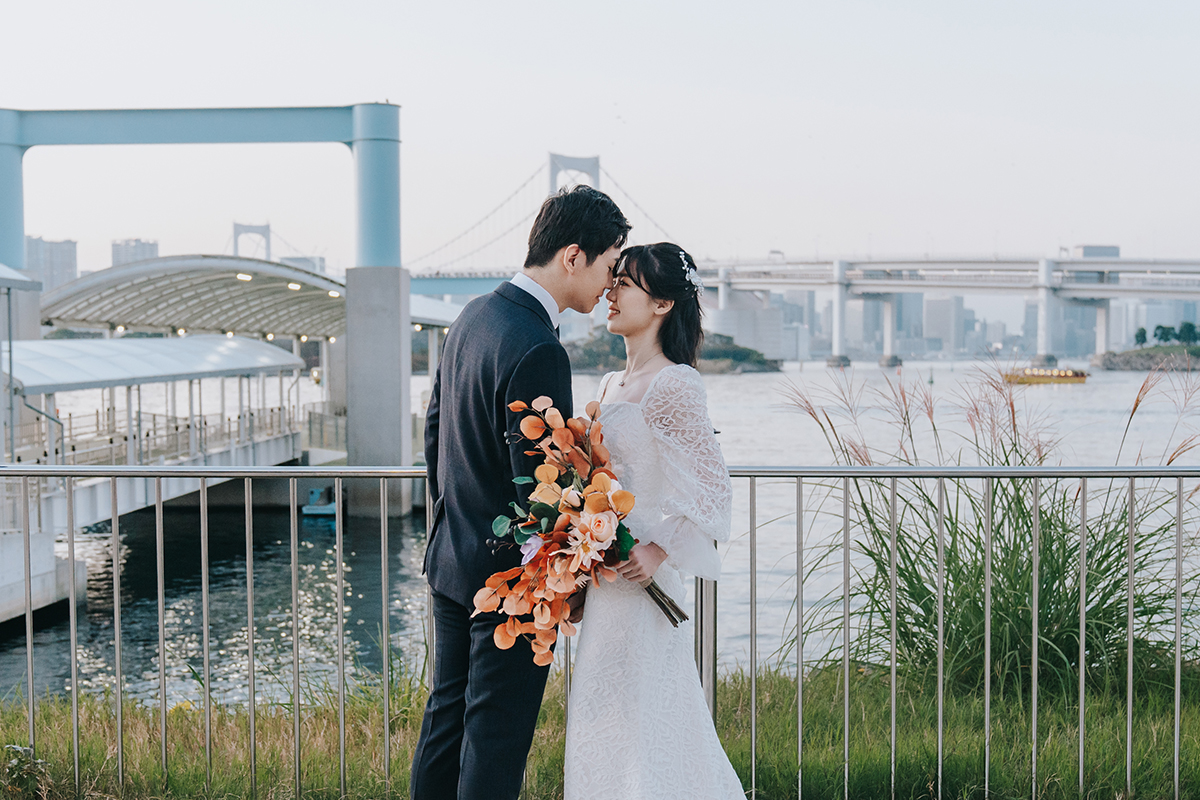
x: 573, y: 532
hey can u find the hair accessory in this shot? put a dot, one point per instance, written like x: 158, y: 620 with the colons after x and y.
x: 691, y: 274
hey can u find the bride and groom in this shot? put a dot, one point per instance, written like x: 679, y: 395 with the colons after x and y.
x: 637, y: 723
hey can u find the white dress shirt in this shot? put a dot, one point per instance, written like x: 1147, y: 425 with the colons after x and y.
x: 528, y: 284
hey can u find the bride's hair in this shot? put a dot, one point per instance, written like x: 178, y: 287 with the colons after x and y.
x: 665, y: 272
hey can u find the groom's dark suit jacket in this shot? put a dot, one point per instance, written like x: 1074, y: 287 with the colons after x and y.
x: 501, y: 348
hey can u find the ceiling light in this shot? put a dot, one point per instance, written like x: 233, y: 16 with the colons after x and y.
x: 417, y: 327
x: 270, y: 337
x: 332, y: 293
x: 304, y: 338
x: 228, y: 334
x: 332, y: 339
x: 295, y: 287
x: 120, y: 329
x: 241, y: 276
x: 183, y: 331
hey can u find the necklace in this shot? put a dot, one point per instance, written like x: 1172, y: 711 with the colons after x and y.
x: 629, y: 374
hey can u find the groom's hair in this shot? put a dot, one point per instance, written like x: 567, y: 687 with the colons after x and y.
x: 581, y: 216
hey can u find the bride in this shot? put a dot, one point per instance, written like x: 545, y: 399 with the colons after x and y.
x: 637, y: 722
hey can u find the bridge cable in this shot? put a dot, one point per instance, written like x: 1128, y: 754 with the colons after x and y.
x: 484, y: 219
x: 488, y: 243
x: 608, y: 175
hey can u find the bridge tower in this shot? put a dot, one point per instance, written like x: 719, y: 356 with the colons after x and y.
x: 560, y: 164
x: 258, y: 230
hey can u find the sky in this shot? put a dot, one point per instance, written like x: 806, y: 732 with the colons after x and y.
x: 825, y: 129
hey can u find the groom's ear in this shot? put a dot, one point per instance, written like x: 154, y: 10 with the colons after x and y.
x: 573, y: 258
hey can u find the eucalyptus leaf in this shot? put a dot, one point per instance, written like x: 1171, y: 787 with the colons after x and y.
x: 500, y: 526
x: 523, y: 479
x: 543, y: 511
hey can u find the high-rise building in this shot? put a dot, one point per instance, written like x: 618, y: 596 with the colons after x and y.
x: 129, y: 250
x: 53, y: 263
x: 310, y: 263
x: 945, y: 320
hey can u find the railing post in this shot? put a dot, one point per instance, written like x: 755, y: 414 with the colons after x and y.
x: 706, y: 640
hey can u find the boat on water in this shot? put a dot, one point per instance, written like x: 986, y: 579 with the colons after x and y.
x: 1030, y: 375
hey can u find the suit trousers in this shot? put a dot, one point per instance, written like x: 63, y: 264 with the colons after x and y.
x: 481, y: 713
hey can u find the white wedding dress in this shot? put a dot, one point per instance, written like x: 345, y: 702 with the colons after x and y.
x: 637, y: 723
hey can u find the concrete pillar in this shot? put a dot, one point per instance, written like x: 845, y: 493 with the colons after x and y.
x: 336, y: 374
x: 296, y: 346
x: 378, y: 377
x: 1102, y: 316
x: 723, y: 289
x: 841, y: 286
x: 890, y: 359
x: 378, y: 406
x: 433, y: 352
x: 12, y: 200
x: 1046, y: 306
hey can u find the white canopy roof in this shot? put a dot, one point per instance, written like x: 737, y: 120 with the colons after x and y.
x: 215, y: 294
x: 61, y: 365
x: 12, y: 279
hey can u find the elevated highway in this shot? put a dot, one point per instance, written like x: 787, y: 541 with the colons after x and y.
x: 1086, y: 281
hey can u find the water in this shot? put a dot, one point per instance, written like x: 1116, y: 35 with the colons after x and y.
x: 756, y: 428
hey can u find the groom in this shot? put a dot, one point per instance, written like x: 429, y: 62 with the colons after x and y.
x: 504, y: 347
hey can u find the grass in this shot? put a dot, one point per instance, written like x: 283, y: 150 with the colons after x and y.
x: 1003, y: 431
x: 916, y: 765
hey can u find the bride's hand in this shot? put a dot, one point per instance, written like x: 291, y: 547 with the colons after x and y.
x: 644, y: 560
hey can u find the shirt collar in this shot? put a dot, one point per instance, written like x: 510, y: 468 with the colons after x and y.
x: 539, y: 293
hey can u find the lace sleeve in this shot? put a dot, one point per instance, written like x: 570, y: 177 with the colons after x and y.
x: 698, y: 496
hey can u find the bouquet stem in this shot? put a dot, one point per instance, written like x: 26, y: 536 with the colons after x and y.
x: 674, y: 613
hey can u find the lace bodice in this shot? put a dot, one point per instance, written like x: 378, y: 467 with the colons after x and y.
x: 667, y: 455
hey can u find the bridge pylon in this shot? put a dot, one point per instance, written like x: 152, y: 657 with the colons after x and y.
x: 588, y: 166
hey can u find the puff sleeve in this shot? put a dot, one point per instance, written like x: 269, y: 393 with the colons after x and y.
x: 698, y: 495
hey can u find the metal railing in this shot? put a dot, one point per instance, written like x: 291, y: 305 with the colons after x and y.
x: 97, y: 439
x: 837, y: 486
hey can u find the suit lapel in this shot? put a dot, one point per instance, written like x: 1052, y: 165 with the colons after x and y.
x: 523, y: 298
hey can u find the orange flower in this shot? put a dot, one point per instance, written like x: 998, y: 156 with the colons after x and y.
x: 486, y: 599
x: 546, y: 473
x: 548, y: 493
x: 593, y: 409
x: 580, y: 462
x: 595, y: 503
x: 532, y: 428
x: 555, y: 418
x: 517, y: 405
x: 622, y: 502
x: 602, y: 482
x: 579, y: 428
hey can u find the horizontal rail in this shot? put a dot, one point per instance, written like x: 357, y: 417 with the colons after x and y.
x: 865, y: 473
